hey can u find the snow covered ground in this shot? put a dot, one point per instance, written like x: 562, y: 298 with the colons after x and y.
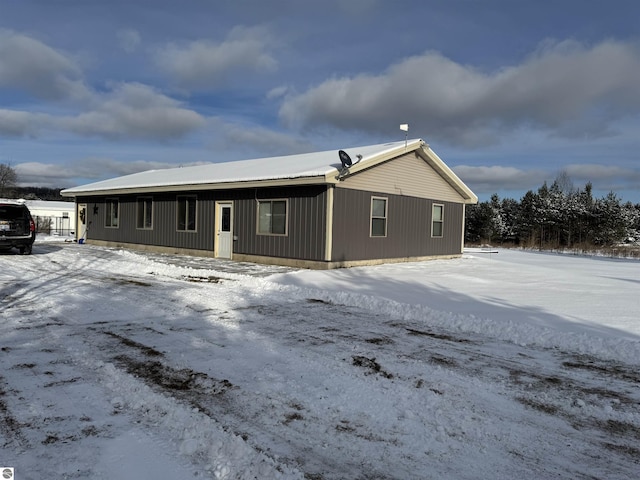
x: 115, y: 364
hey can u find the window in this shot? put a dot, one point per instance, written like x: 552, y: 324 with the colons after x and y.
x: 437, y: 221
x: 378, y: 217
x: 225, y: 218
x: 187, y: 213
x: 112, y: 207
x: 272, y: 217
x: 145, y: 213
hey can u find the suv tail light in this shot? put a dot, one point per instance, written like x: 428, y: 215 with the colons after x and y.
x: 32, y: 226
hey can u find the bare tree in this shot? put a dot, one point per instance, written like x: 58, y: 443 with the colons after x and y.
x: 8, y: 178
x: 564, y: 183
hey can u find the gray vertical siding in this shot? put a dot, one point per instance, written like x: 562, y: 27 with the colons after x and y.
x: 164, y: 232
x: 306, y: 222
x: 408, y: 224
x: 408, y: 227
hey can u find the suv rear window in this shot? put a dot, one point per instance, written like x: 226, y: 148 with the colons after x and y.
x: 11, y: 212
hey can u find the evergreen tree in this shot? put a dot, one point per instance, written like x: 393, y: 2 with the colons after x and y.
x: 631, y: 218
x: 610, y: 223
x: 478, y: 223
x: 527, y: 226
x: 510, y: 210
x: 557, y: 216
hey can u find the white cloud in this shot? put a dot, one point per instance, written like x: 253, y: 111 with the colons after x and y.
x: 37, y: 174
x: 499, y: 179
x: 133, y: 110
x: 605, y: 177
x: 589, y: 172
x: 207, y: 64
x: 18, y: 124
x: 129, y: 110
x: 560, y: 87
x: 277, y: 92
x: 29, y: 65
x: 124, y: 110
x: 490, y: 179
x: 102, y: 167
x: 128, y: 39
x: 263, y: 140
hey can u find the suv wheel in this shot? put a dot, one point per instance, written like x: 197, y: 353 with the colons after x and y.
x: 26, y: 250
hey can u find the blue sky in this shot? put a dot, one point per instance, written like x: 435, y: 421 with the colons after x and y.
x: 508, y: 93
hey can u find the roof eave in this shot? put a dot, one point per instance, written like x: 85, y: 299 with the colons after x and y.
x: 190, y: 187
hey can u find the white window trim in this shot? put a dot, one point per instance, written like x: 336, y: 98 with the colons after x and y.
x: 286, y: 217
x: 433, y: 220
x: 386, y: 217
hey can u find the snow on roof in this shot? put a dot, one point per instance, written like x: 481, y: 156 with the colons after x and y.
x: 316, y: 164
x: 50, y: 205
x: 11, y: 201
x: 40, y: 204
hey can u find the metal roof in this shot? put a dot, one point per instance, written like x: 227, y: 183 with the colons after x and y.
x: 306, y: 168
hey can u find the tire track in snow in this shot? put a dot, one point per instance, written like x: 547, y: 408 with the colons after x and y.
x: 448, y: 370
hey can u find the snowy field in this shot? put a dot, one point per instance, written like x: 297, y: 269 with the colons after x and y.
x: 116, y: 364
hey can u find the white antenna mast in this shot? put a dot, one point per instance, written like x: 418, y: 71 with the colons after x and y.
x: 405, y: 128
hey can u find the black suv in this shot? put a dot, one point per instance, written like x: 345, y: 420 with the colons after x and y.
x: 17, y: 228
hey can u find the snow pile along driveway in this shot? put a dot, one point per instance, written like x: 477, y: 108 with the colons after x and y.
x: 124, y: 365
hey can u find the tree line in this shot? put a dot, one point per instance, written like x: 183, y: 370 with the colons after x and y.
x: 556, y: 216
x: 10, y: 189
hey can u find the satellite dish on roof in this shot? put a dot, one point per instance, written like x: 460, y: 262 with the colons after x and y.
x: 345, y: 159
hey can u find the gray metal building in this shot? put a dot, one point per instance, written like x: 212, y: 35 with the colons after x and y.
x: 379, y: 203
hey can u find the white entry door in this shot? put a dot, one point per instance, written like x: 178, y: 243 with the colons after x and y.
x: 224, y: 229
x: 81, y: 222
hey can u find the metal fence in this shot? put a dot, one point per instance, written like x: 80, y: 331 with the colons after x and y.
x: 52, y: 225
